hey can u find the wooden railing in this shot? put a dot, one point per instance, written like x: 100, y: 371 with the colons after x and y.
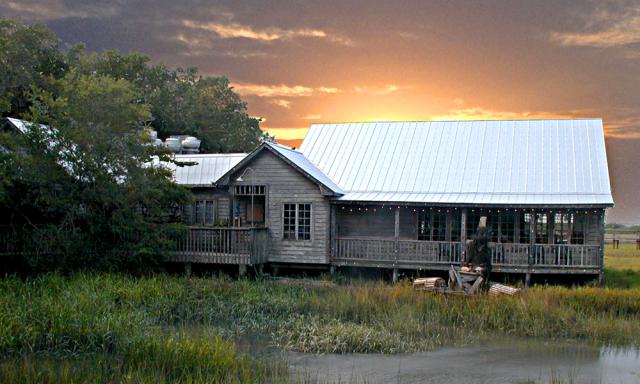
x: 505, y: 256
x: 352, y: 250
x: 218, y: 245
x: 565, y: 255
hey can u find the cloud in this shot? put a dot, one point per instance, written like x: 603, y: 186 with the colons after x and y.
x: 377, y: 91
x: 312, y: 117
x: 235, y: 31
x: 620, y: 124
x: 480, y: 113
x: 57, y: 9
x: 604, y: 28
x: 280, y: 90
x: 282, y: 103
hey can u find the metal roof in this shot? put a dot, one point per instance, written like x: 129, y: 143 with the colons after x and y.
x: 207, y: 170
x: 515, y: 162
x: 306, y: 166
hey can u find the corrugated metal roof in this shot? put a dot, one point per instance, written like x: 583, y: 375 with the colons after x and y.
x: 306, y: 166
x: 207, y: 170
x: 515, y: 162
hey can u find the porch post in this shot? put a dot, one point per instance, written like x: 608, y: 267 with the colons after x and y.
x: 532, y: 248
x: 332, y: 234
x: 463, y: 235
x: 396, y: 237
x: 601, y: 251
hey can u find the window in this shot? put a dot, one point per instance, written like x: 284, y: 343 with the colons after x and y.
x: 568, y: 229
x: 456, y: 219
x: 473, y: 219
x: 248, y: 190
x: 296, y: 223
x: 432, y: 226
x: 507, y: 228
x: 200, y: 213
x: 542, y: 228
x: 526, y: 221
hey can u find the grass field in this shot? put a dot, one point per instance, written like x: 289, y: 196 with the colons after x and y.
x: 622, y: 266
x: 625, y: 257
x: 114, y: 328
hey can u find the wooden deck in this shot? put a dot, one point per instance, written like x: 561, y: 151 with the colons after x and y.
x: 213, y: 245
x: 506, y: 257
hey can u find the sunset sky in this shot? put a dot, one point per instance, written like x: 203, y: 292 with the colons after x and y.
x: 297, y: 62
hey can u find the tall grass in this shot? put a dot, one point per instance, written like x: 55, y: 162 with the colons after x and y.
x: 165, y: 328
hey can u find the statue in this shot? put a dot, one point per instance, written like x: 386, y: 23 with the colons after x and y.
x: 478, y: 255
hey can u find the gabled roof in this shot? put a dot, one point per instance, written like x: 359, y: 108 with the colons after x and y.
x: 292, y: 157
x: 208, y: 168
x: 516, y: 162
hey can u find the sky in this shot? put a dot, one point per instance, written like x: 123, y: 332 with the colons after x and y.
x: 302, y: 62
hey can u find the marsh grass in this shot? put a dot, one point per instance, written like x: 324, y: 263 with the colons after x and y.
x: 167, y: 328
x: 626, y: 257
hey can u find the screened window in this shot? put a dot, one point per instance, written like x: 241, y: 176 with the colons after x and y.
x: 455, y: 226
x: 568, y: 228
x: 579, y: 229
x: 432, y: 226
x: 526, y: 221
x: 507, y: 228
x: 472, y: 223
x: 202, y: 212
x: 542, y: 228
x: 296, y: 221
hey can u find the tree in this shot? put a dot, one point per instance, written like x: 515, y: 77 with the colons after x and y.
x: 84, y: 180
x: 30, y: 57
x: 183, y: 102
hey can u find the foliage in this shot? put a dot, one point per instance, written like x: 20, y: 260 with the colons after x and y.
x: 83, y: 187
x: 83, y: 182
x: 30, y: 57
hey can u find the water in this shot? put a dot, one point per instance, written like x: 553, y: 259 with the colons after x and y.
x: 513, y: 361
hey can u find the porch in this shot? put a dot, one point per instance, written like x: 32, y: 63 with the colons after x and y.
x: 523, y: 240
x: 221, y: 245
x: 508, y: 258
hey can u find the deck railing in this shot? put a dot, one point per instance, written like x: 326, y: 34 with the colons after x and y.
x: 358, y: 251
x: 221, y: 245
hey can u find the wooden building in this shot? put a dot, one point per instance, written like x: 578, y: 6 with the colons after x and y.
x: 406, y: 195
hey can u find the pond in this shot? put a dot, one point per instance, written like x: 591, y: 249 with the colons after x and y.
x: 508, y: 361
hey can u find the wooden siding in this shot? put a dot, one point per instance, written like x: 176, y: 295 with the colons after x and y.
x: 287, y: 185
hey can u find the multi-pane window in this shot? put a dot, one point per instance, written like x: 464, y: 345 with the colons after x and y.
x: 526, y: 221
x: 568, y: 228
x: 296, y: 223
x: 542, y: 228
x: 455, y: 226
x: 202, y: 212
x: 472, y: 223
x: 507, y: 228
x: 579, y: 229
x: 432, y: 226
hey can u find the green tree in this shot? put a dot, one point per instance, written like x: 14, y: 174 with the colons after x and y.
x: 85, y: 183
x: 183, y: 102
x: 29, y: 57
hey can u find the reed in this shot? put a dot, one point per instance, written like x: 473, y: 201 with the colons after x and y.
x: 168, y: 328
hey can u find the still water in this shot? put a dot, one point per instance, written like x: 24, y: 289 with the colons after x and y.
x: 514, y: 361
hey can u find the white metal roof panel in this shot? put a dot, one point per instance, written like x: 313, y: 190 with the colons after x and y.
x: 305, y: 165
x: 207, y: 170
x: 514, y: 162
